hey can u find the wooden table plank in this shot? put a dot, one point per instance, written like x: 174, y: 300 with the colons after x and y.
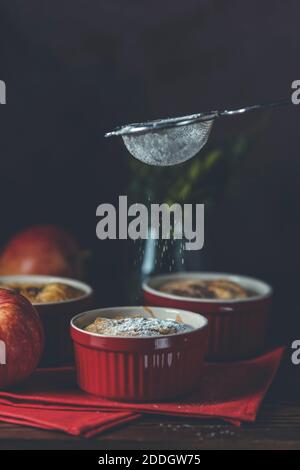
x: 153, y: 433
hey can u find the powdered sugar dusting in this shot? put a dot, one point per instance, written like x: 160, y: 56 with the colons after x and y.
x: 136, y: 326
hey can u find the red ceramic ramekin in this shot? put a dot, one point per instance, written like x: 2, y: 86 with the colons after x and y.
x: 237, y: 328
x: 56, y: 317
x: 139, y: 368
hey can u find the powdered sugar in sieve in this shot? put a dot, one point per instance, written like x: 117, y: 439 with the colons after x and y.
x: 169, y: 146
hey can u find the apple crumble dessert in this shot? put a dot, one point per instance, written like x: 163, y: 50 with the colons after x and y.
x: 136, y: 326
x: 43, y: 293
x: 222, y: 289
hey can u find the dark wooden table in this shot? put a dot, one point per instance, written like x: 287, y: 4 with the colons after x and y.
x: 277, y: 427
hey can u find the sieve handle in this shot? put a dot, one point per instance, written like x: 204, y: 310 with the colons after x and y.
x: 232, y: 112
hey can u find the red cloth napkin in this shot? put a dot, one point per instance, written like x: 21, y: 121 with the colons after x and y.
x: 79, y: 422
x: 230, y: 391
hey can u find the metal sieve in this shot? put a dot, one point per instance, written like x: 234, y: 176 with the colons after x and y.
x: 170, y: 141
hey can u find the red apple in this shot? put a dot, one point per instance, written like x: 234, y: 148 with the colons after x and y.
x: 21, y: 338
x: 47, y: 250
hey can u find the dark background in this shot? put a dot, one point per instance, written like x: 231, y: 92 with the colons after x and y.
x: 75, y: 69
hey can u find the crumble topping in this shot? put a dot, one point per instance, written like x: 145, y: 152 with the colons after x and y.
x: 205, y: 289
x: 43, y: 293
x: 136, y: 326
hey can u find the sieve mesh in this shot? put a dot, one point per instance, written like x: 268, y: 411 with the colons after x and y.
x: 169, y: 146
